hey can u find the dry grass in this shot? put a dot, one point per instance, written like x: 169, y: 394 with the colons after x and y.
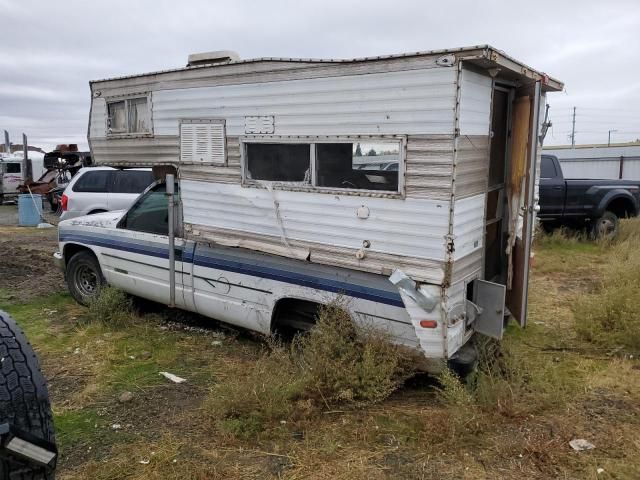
x: 610, y: 317
x: 257, y: 413
x: 562, y: 236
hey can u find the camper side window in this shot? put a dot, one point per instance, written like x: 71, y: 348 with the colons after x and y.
x: 358, y: 166
x: 279, y: 162
x: 128, y: 116
x: 372, y: 164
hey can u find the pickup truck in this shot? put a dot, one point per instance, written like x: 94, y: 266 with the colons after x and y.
x: 576, y: 203
x: 263, y: 292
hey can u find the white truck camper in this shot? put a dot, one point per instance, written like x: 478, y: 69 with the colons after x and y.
x: 404, y: 184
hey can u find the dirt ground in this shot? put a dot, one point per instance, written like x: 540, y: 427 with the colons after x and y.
x: 8, y: 215
x: 26, y: 269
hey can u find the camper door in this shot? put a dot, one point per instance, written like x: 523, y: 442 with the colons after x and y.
x: 523, y: 163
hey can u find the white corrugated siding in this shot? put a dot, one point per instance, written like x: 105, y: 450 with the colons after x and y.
x: 475, y: 103
x: 468, y: 225
x: 98, y: 120
x: 413, y: 227
x: 472, y: 165
x: 406, y: 102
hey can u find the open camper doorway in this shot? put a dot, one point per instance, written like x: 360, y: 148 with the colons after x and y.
x: 496, y: 217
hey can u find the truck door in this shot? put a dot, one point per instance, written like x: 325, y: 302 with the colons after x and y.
x: 552, y: 189
x: 143, y: 269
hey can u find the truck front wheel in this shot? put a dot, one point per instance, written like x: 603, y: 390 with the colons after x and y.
x: 605, y: 226
x: 84, y: 277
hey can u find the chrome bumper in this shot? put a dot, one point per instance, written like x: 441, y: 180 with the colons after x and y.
x: 58, y: 260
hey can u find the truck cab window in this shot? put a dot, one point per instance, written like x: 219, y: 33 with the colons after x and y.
x: 547, y: 168
x: 150, y: 213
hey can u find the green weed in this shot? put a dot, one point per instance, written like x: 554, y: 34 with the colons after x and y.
x: 336, y: 363
x: 112, y: 307
x: 347, y: 363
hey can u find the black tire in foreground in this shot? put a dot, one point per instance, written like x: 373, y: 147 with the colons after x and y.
x: 24, y: 400
x: 84, y: 277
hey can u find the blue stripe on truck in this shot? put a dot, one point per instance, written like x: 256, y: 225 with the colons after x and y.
x: 232, y: 264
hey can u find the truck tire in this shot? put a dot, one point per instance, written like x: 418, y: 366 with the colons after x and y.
x: 84, y: 277
x: 605, y: 226
x: 24, y: 400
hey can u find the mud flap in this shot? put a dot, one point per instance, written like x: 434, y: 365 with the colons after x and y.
x: 490, y: 298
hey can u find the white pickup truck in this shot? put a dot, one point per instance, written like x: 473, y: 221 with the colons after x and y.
x: 249, y: 289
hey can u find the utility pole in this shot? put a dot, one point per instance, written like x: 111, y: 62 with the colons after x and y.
x: 26, y: 164
x: 573, y: 129
x: 609, y: 141
x: 546, y: 124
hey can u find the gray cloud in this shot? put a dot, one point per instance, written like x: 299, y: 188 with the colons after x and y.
x: 50, y: 50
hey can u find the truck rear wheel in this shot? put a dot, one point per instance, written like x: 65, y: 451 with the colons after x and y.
x: 84, y: 277
x: 605, y: 227
x: 24, y: 400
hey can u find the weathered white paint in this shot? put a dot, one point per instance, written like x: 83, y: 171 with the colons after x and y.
x: 454, y: 301
x: 409, y: 227
x: 98, y: 118
x: 431, y: 340
x: 468, y: 225
x: 407, y: 102
x: 475, y: 103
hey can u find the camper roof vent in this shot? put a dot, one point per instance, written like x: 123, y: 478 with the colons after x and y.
x: 208, y: 58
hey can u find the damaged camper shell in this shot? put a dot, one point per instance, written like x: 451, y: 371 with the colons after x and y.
x: 405, y: 183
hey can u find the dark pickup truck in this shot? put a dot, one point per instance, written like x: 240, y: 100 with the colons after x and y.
x: 596, y: 204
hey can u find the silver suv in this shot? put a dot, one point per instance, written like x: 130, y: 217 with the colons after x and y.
x: 101, y: 189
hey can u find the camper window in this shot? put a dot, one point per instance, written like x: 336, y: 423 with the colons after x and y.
x: 370, y: 164
x: 279, y: 162
x: 13, y: 168
x: 359, y: 166
x: 128, y: 116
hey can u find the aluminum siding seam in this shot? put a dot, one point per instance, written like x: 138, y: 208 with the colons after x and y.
x: 451, y: 246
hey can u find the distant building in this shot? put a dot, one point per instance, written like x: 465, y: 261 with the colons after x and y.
x: 620, y: 160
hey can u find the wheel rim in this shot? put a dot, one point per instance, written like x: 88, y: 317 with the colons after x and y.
x: 606, y: 227
x: 86, y: 281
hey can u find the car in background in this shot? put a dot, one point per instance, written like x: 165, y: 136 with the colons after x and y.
x: 102, y: 189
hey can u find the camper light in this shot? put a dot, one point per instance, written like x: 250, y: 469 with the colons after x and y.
x: 429, y: 323
x: 30, y: 451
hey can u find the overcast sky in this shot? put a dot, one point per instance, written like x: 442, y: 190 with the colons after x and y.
x: 49, y: 50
